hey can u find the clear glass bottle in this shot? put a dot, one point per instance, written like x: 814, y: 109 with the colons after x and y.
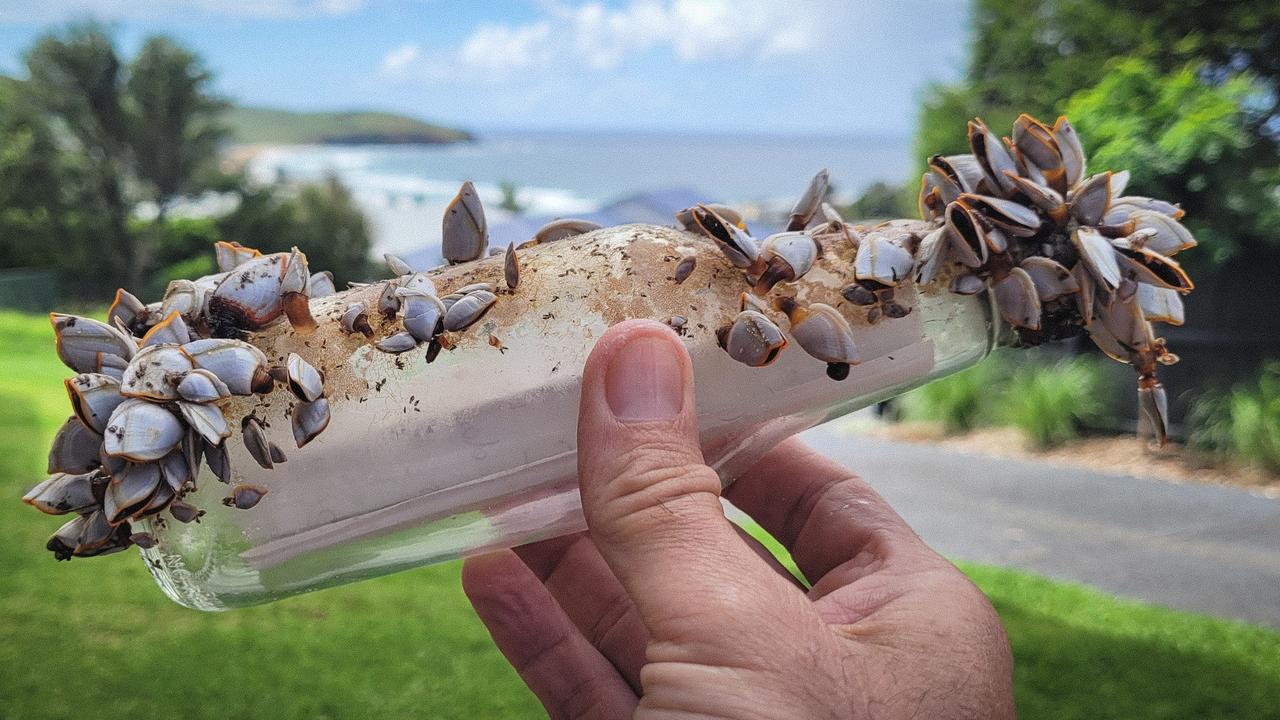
x: 423, y: 463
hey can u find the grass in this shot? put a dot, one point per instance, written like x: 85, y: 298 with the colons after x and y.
x: 263, y: 125
x: 98, y: 634
x: 1245, y: 423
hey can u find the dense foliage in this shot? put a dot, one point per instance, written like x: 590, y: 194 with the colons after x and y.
x: 1048, y: 400
x: 96, y: 150
x: 1185, y: 95
x: 1245, y: 423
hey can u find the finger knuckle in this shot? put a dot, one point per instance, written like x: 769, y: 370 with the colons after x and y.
x: 652, y: 479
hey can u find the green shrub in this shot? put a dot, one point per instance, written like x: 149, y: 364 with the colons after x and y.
x: 1046, y: 399
x: 1243, y: 424
x: 960, y: 402
x: 1049, y: 402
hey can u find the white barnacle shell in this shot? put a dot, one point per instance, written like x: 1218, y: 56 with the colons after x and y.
x: 1073, y: 160
x: 932, y: 255
x: 468, y: 309
x: 1017, y: 299
x: 474, y: 287
x: 255, y: 441
x: 1050, y: 278
x: 397, y: 343
x: 304, y: 380
x: 1012, y: 217
x: 1098, y: 255
x: 176, y: 470
x: 356, y: 319
x: 1161, y: 304
x: 231, y: 255
x: 94, y: 397
x: 396, y: 265
x: 185, y: 297
x: 807, y: 206
x: 423, y: 313
x: 155, y: 372
x: 997, y: 164
x: 563, y: 228
x: 465, y: 233
x: 1045, y: 198
x: 1165, y: 234
x: 752, y: 339
x: 1152, y: 268
x: 207, y: 419
x: 75, y: 448
x: 1153, y: 404
x: 139, y: 431
x: 882, y: 260
x: 297, y: 277
x: 388, y: 301
x: 129, y: 491
x: 511, y: 267
x: 787, y: 256
x: 309, y: 420
x: 1122, y: 208
x: 171, y: 330
x: 322, y: 284
x: 1090, y: 199
x: 968, y: 238
x: 63, y: 493
x: 215, y: 456
x: 240, y: 365
x: 64, y: 540
x: 126, y: 308
x: 82, y: 342
x: 202, y: 386
x: 420, y: 282
x: 967, y: 284
x: 160, y: 500
x: 823, y: 332
x: 739, y: 247
x: 251, y: 295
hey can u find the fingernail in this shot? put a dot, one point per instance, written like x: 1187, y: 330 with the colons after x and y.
x: 644, y: 381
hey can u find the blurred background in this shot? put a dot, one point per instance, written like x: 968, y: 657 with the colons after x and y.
x: 134, y: 135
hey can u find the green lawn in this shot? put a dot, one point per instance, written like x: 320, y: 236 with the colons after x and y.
x: 97, y: 633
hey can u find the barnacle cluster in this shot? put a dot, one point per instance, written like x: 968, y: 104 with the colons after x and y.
x: 149, y: 395
x: 1062, y: 250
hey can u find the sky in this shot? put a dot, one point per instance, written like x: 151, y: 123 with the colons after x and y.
x: 718, y: 66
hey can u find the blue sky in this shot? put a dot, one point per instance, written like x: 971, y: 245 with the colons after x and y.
x: 757, y: 66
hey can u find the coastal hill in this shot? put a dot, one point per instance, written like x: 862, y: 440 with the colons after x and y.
x: 251, y: 125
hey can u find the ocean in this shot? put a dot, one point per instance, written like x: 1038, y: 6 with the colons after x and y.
x: 404, y: 188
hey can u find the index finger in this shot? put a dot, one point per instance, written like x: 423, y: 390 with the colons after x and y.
x: 835, y: 525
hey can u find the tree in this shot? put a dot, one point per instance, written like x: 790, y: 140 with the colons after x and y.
x: 78, y: 80
x: 146, y: 127
x: 322, y: 220
x: 173, y: 130
x: 1206, y: 91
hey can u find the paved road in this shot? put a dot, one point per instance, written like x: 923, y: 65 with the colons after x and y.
x: 1192, y: 547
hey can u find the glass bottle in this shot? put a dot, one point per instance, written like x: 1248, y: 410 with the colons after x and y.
x: 425, y: 462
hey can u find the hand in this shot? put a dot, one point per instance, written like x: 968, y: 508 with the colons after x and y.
x: 663, y: 609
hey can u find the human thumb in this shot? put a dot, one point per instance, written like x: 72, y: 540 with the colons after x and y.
x: 651, y: 503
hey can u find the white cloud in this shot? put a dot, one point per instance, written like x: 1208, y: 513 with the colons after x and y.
x: 58, y: 10
x: 602, y: 38
x: 497, y: 48
x: 400, y: 58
